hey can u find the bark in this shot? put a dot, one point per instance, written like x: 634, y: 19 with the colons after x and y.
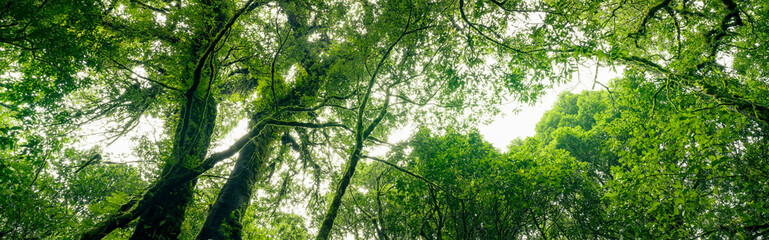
x: 164, y: 214
x: 224, y: 217
x: 328, y: 221
x: 223, y: 221
x: 164, y: 219
x: 116, y: 221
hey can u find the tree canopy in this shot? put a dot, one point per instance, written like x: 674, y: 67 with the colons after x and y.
x: 675, y: 148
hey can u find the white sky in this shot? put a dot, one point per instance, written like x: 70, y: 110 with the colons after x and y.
x: 510, y: 126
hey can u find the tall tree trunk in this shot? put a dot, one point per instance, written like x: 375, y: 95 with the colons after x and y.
x: 166, y: 183
x: 328, y: 221
x: 223, y: 221
x: 163, y: 217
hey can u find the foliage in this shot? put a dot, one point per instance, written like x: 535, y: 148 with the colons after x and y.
x: 602, y: 165
x: 676, y: 148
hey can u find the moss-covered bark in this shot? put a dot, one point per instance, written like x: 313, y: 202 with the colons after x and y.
x: 164, y: 214
x: 223, y: 221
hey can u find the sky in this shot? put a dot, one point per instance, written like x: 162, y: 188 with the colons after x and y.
x: 507, y: 127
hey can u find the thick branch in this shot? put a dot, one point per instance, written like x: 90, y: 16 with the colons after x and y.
x: 146, y: 6
x: 307, y: 125
x: 166, y: 86
x: 158, y: 33
x: 405, y: 171
x: 649, y: 15
x: 196, y: 76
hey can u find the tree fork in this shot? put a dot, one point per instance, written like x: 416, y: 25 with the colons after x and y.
x: 133, y: 208
x: 223, y: 220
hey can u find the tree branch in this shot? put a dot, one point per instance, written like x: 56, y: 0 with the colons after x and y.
x: 307, y: 125
x: 145, y: 78
x: 472, y: 25
x: 148, y: 7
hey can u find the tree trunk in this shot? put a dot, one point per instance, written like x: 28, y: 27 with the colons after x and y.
x: 164, y: 215
x: 163, y: 220
x: 161, y: 207
x: 223, y: 221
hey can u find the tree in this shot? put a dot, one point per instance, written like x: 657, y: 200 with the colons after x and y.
x: 161, y: 207
x: 322, y: 83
